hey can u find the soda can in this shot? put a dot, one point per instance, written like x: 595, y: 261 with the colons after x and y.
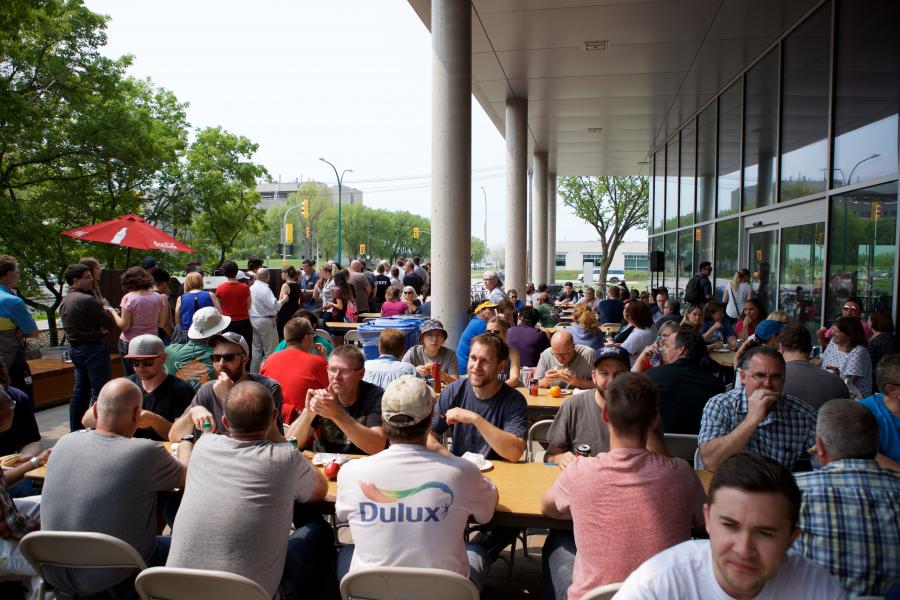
x: 207, y: 427
x: 293, y: 442
x: 533, y: 387
x: 583, y: 450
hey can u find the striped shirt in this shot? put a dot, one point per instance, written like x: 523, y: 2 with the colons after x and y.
x: 13, y: 524
x: 784, y: 435
x: 850, y: 524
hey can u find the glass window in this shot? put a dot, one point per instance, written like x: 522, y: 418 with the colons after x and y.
x: 706, y: 163
x: 685, y: 265
x: 802, y: 269
x: 669, y: 249
x: 636, y: 262
x: 703, y: 245
x: 760, y: 127
x: 651, y: 207
x: 861, y: 247
x: 672, y: 184
x: 867, y: 56
x: 763, y: 259
x: 688, y: 162
x: 726, y: 265
x: 594, y: 257
x: 560, y: 259
x: 728, y: 178
x: 804, y: 109
x: 659, y: 190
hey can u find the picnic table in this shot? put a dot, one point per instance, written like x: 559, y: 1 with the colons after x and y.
x: 342, y: 325
x: 726, y: 359
x: 543, y: 400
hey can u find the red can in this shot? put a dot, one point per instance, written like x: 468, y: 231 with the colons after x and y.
x: 533, y: 389
x: 436, y: 376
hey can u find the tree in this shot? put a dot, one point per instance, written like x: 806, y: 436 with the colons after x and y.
x: 611, y: 205
x: 222, y: 183
x: 478, y: 250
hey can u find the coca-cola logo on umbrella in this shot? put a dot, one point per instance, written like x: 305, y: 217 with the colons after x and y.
x: 165, y: 245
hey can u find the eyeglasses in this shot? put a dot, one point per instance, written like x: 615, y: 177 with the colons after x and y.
x: 142, y: 362
x: 850, y: 307
x: 334, y: 371
x: 226, y: 357
x: 762, y: 377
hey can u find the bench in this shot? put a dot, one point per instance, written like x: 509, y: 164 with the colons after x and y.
x: 53, y: 380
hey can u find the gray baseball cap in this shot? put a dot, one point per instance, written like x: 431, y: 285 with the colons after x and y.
x: 145, y: 346
x: 233, y: 338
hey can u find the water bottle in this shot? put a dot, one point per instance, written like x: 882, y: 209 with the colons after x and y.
x: 855, y: 394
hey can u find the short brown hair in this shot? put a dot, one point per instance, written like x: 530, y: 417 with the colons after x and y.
x: 501, y: 350
x: 851, y: 327
x: 881, y: 319
x: 393, y: 342
x: 349, y: 352
x: 401, y: 435
x: 296, y: 329
x: 249, y: 408
x: 631, y: 404
x: 640, y: 314
x: 392, y: 293
x: 751, y: 472
x: 7, y: 264
x: 135, y: 279
x: 795, y: 338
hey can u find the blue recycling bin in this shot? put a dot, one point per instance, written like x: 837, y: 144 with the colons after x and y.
x: 370, y: 330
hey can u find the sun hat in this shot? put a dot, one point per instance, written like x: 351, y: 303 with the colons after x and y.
x: 483, y: 305
x: 431, y: 325
x: 207, y: 322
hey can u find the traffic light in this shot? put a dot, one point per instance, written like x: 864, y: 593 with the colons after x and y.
x: 304, y: 209
x: 415, y: 233
x: 876, y: 209
x: 307, y: 232
x: 362, y: 248
x: 289, y: 232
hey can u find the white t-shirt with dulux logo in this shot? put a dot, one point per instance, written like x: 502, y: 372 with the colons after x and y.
x: 408, y: 507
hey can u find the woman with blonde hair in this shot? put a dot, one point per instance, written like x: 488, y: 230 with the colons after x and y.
x: 693, y: 318
x: 736, y: 294
x: 193, y: 299
x: 585, y: 328
x: 780, y: 316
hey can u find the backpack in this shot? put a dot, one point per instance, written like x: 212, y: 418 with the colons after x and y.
x: 693, y: 292
x: 352, y: 313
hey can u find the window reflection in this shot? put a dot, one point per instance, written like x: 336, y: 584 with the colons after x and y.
x: 685, y: 265
x: 763, y: 264
x: 866, y: 91
x: 802, y: 268
x: 760, y: 132
x: 669, y: 249
x: 861, y: 247
x: 688, y: 144
x: 659, y: 189
x: 672, y: 184
x: 729, y: 175
x: 804, y: 120
x: 726, y: 254
x: 706, y: 163
x: 703, y: 245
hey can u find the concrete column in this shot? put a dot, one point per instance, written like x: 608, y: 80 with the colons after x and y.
x: 529, y: 247
x: 516, y: 200
x: 551, y: 228
x: 539, y: 219
x: 451, y: 160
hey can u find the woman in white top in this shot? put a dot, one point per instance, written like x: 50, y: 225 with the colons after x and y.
x: 847, y: 356
x: 736, y: 294
x: 641, y: 331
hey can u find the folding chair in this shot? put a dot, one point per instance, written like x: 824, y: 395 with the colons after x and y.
x: 353, y: 337
x: 407, y: 583
x: 681, y: 445
x: 168, y: 583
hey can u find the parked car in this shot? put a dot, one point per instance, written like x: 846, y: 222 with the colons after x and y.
x: 613, y: 276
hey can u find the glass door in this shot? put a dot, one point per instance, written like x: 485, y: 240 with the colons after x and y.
x: 763, y: 264
x: 800, y: 281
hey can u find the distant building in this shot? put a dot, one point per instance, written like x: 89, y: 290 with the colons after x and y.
x: 276, y: 194
x: 629, y: 256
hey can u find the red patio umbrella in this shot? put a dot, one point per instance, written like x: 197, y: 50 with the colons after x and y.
x: 131, y: 231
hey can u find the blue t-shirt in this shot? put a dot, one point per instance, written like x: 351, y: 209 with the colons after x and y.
x: 725, y: 331
x: 15, y: 313
x: 476, y: 327
x: 506, y: 410
x: 888, y: 426
x: 610, y: 311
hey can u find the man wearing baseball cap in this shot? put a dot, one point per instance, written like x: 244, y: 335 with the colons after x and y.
x: 430, y: 350
x: 192, y: 361
x: 165, y: 397
x: 230, y: 354
x: 478, y: 325
x: 439, y: 493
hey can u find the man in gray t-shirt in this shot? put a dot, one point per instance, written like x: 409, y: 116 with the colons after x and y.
x: 803, y: 380
x: 580, y: 418
x: 106, y: 481
x: 238, y: 503
x: 565, y: 363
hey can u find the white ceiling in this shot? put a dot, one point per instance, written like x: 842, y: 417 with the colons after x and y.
x: 665, y: 59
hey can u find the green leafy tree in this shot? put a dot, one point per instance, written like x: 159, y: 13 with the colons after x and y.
x: 222, y: 181
x: 478, y: 250
x: 611, y: 205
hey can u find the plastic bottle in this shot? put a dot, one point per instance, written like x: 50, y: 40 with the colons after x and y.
x: 855, y: 394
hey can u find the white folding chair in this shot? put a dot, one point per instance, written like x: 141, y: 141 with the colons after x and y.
x: 168, y: 583
x: 324, y: 334
x: 353, y: 337
x: 78, y: 550
x: 536, y: 433
x: 681, y: 445
x: 604, y: 592
x: 406, y: 583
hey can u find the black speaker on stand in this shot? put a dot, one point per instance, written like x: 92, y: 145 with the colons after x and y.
x: 657, y: 265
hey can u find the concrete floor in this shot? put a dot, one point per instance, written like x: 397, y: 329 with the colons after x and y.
x: 525, y: 583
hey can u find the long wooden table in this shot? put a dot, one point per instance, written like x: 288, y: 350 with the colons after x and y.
x: 342, y: 325
x: 543, y: 400
x: 726, y: 359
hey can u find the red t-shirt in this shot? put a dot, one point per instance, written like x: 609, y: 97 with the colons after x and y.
x: 297, y: 371
x: 233, y: 297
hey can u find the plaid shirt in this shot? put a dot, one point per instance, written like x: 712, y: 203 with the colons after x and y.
x: 784, y: 435
x: 850, y: 524
x: 13, y: 524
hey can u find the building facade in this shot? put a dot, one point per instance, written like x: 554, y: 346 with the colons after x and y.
x: 629, y: 256
x: 276, y: 193
x: 791, y: 169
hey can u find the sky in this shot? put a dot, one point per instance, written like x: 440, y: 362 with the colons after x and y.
x: 347, y: 80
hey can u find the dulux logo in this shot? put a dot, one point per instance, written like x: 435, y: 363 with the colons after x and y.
x: 370, y: 511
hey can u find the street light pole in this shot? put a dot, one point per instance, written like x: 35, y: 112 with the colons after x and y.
x: 340, y: 179
x: 850, y: 179
x: 484, y: 193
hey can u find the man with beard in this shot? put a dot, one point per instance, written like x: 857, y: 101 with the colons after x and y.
x: 229, y: 357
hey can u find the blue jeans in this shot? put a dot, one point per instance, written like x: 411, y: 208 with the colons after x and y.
x: 478, y: 561
x: 558, y: 558
x: 92, y: 370
x: 309, y: 563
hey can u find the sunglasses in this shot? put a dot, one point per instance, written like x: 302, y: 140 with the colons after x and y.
x: 226, y: 357
x: 142, y: 362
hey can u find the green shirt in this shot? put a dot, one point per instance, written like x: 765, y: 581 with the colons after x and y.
x: 317, y: 340
x: 190, y: 362
x: 547, y: 319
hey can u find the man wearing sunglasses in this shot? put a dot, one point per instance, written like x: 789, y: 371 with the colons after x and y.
x: 229, y: 356
x: 757, y: 417
x: 165, y: 397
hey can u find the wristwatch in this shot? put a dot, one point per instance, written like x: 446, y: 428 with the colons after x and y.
x: 187, y: 438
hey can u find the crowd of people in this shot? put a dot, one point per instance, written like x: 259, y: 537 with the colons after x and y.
x: 804, y: 501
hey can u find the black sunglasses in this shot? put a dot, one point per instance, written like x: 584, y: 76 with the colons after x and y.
x: 142, y: 362
x: 226, y: 357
